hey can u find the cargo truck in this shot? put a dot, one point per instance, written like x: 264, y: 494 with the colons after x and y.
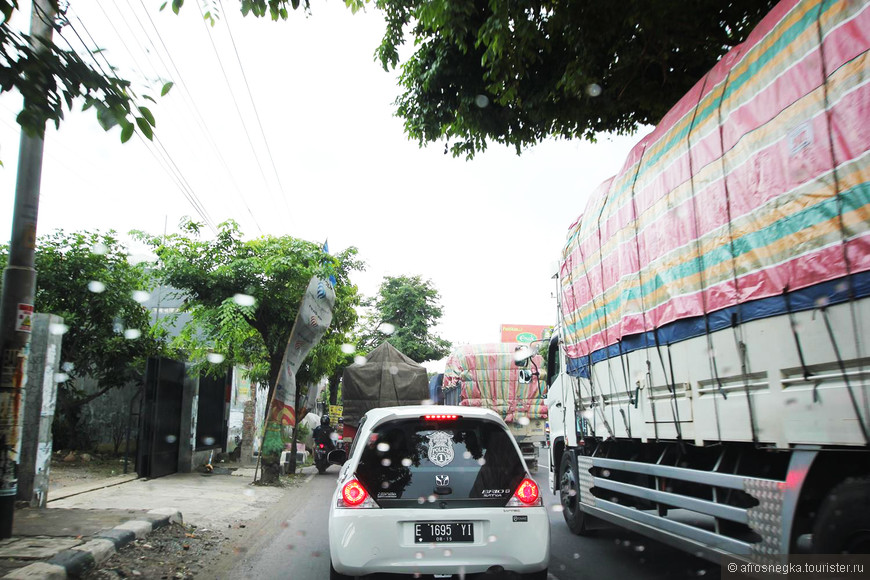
x: 709, y: 380
x: 487, y: 375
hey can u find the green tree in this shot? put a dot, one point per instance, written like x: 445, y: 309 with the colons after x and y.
x: 243, y: 297
x: 519, y: 72
x: 403, y: 313
x: 87, y: 278
x: 51, y: 77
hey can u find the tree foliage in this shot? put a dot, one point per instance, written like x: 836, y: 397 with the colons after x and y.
x: 404, y: 313
x: 50, y: 75
x: 87, y: 279
x: 519, y: 72
x: 243, y: 297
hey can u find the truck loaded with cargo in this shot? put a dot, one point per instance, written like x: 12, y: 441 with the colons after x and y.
x: 386, y: 378
x: 709, y: 380
x: 487, y: 375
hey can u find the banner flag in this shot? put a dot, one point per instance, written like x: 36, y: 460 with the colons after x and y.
x: 312, y: 321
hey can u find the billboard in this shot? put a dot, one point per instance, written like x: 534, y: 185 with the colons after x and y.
x: 524, y: 333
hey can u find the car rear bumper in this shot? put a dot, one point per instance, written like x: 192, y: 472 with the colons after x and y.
x: 382, y: 540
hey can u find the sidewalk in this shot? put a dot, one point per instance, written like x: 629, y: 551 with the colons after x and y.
x: 84, y: 525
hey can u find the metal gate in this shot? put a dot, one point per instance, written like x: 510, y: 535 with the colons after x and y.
x: 160, y: 418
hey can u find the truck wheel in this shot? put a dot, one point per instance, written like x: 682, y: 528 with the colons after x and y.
x: 569, y: 494
x: 843, y: 522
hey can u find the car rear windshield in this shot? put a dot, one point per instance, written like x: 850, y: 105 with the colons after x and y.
x: 455, y: 463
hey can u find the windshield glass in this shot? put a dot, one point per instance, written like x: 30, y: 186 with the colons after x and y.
x: 455, y: 463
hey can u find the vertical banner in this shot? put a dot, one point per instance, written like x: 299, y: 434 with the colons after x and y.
x: 312, y: 321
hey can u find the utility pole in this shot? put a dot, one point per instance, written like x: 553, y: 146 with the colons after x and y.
x: 19, y: 288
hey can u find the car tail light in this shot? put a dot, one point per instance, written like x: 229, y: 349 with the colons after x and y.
x: 354, y: 495
x: 527, y: 494
x: 441, y: 417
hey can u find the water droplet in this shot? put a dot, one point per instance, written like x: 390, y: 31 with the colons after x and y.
x: 68, y: 367
x: 348, y: 348
x: 132, y: 333
x: 432, y: 498
x: 587, y: 414
x: 208, y: 440
x: 481, y: 461
x: 626, y: 543
x: 421, y: 500
x: 557, y: 508
x: 386, y: 462
x: 359, y: 360
x: 383, y: 447
x: 523, y: 421
x: 702, y: 572
x: 215, y: 358
x: 96, y: 286
x: 141, y: 296
x: 100, y: 249
x: 576, y: 556
x: 61, y: 377
x: 605, y: 473
x: 481, y: 101
x: 171, y: 438
x: 448, y: 553
x: 593, y: 90
x: 407, y: 462
x: 467, y: 455
x: 249, y: 492
x: 244, y: 299
x: 394, y: 370
x: 387, y: 328
x: 385, y: 484
x: 58, y: 329
x: 821, y: 302
x: 419, y: 555
x: 639, y: 548
x: 492, y: 539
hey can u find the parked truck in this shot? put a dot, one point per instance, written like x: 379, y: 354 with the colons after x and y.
x: 487, y: 375
x: 709, y: 380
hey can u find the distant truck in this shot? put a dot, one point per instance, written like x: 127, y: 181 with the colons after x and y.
x: 487, y: 375
x: 387, y: 378
x: 709, y: 381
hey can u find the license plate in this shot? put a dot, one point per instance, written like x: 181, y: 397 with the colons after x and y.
x: 439, y: 532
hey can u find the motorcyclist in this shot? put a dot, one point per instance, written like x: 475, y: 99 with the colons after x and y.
x: 323, y: 434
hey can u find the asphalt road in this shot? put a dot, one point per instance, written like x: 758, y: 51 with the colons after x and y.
x: 291, y: 542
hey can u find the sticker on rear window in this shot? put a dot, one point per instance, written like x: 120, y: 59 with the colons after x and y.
x: 440, y: 447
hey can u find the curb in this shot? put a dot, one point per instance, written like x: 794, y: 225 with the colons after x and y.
x: 76, y: 562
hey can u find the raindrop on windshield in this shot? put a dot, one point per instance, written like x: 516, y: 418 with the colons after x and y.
x: 387, y: 328
x: 383, y: 447
x: 68, y: 367
x: 481, y: 461
x: 448, y: 553
x: 557, y: 508
x: 523, y: 421
x: 639, y: 548
x: 96, y: 286
x: 481, y: 101
x: 100, y: 249
x: 702, y: 572
x: 421, y: 500
x: 386, y: 462
x: 58, y: 329
x: 208, y: 440
x: 394, y: 370
x: 576, y: 556
x: 467, y: 455
x: 359, y: 360
x: 141, y: 296
x: 215, y: 358
x: 492, y: 539
x: 821, y: 302
x: 431, y: 498
x: 132, y: 333
x: 419, y: 555
x: 244, y: 299
x: 593, y: 90
x: 60, y: 377
x: 348, y: 348
x: 171, y: 438
x: 605, y: 473
x: 385, y: 484
x: 407, y: 462
x: 587, y: 414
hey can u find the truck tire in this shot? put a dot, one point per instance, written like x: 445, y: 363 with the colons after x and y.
x: 843, y: 521
x: 569, y: 495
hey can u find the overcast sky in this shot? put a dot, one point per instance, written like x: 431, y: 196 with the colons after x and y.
x: 317, y: 155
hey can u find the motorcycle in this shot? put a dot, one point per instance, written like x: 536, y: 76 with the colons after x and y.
x: 320, y: 461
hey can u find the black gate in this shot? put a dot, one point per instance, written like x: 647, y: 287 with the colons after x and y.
x: 160, y: 418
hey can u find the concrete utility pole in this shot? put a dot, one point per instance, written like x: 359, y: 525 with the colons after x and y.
x: 19, y: 287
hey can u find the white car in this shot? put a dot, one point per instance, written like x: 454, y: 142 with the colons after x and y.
x: 436, y: 490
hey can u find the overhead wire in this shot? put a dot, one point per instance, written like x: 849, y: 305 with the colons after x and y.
x: 238, y: 109
x: 187, y: 96
x: 186, y: 190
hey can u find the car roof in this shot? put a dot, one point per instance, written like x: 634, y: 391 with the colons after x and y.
x: 379, y: 414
